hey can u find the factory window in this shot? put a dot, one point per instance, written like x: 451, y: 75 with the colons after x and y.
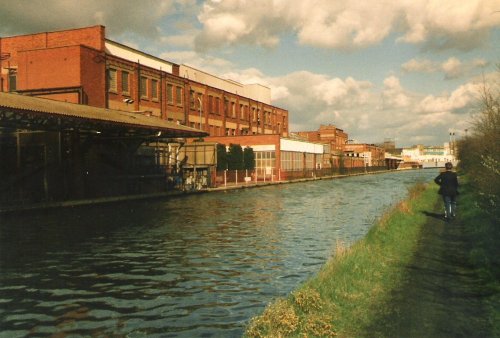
x: 125, y: 82
x: 154, y: 89
x: 144, y: 87
x: 12, y: 80
x: 178, y: 95
x: 217, y: 106
x: 192, y: 104
x: 112, y: 80
x: 170, y: 93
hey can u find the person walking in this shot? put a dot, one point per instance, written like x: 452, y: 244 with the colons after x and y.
x: 448, y: 188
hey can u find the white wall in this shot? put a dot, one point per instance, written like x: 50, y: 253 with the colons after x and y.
x: 133, y: 55
x: 253, y: 91
x: 300, y: 146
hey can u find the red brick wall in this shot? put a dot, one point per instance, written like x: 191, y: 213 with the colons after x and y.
x: 49, y: 68
x: 64, y: 67
x: 71, y: 58
x: 92, y: 37
x: 246, y: 140
x: 93, y: 76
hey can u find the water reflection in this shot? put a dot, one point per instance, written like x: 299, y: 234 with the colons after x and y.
x: 195, y: 266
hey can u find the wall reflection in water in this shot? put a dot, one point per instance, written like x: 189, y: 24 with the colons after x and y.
x: 193, y: 266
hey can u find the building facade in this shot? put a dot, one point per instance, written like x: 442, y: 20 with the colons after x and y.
x: 83, y: 66
x: 365, y: 155
x: 278, y: 158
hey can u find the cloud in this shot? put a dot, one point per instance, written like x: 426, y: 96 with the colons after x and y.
x: 460, y: 100
x: 349, y: 24
x: 393, y: 94
x: 365, y: 113
x: 207, y: 63
x: 460, y: 25
x: 119, y: 17
x: 452, y: 68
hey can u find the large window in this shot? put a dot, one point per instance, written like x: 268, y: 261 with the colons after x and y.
x: 192, y: 104
x: 170, y: 93
x: 265, y: 160
x: 217, y: 105
x: 292, y: 160
x: 112, y: 80
x: 154, y: 89
x: 144, y: 87
x: 125, y: 82
x: 178, y: 95
x: 309, y: 161
x: 12, y: 80
x: 210, y: 104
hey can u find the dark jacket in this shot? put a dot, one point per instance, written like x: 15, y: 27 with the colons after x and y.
x: 448, y: 183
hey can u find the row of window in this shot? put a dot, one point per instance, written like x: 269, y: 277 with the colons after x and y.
x: 214, y: 107
x: 148, y: 87
x: 119, y: 81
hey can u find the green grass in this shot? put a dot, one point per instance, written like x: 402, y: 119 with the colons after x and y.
x: 345, y: 296
x: 484, y: 254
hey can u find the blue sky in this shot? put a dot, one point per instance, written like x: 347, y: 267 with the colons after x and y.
x: 411, y: 70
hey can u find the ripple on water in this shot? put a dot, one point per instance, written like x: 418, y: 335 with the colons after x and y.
x: 195, y: 266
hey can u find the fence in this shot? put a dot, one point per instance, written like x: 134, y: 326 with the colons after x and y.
x: 242, y: 177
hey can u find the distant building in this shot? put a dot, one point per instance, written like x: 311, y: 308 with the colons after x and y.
x: 83, y: 66
x: 429, y: 156
x: 278, y: 158
x: 365, y: 155
x: 334, y: 137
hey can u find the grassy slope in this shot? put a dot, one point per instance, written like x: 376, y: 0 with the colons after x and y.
x: 373, y: 288
x: 341, y: 298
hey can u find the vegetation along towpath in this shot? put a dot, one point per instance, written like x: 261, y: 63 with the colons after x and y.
x: 413, y: 275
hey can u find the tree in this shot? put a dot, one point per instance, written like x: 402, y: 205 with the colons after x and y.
x: 235, y: 157
x: 221, y: 157
x: 479, y: 153
x: 248, y: 158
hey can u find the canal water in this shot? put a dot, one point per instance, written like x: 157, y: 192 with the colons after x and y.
x: 195, y: 266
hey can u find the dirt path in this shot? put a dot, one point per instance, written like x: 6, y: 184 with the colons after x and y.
x: 442, y: 296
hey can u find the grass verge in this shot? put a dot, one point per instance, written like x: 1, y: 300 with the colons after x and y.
x: 483, y: 232
x: 345, y: 296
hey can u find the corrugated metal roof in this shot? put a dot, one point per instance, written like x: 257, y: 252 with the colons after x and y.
x: 9, y: 101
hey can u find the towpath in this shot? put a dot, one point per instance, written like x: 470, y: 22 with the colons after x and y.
x: 442, y: 295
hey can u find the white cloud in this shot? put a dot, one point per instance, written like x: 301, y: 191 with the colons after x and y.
x: 393, y: 94
x: 421, y: 66
x: 348, y: 24
x: 206, y: 63
x: 452, y: 68
x: 119, y: 17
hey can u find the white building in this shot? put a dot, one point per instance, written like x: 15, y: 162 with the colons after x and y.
x: 429, y: 156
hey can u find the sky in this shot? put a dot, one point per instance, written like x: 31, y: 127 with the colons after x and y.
x: 409, y: 70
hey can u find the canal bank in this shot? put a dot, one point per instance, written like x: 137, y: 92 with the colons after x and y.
x: 163, y: 195
x: 413, y: 275
x: 200, y: 265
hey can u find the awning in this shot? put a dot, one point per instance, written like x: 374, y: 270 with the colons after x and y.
x: 26, y: 112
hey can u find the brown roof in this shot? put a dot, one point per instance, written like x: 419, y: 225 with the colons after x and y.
x: 35, y: 113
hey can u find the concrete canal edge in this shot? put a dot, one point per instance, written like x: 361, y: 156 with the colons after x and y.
x: 12, y: 209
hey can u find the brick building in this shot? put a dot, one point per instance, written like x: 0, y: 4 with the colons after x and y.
x: 365, y: 155
x: 334, y: 137
x: 83, y: 66
x: 280, y: 157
